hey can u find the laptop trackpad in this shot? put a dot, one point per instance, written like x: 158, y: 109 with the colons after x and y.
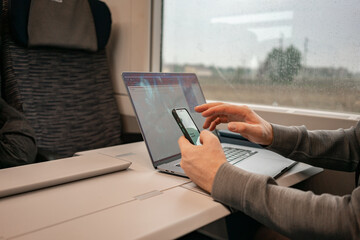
x: 269, y: 167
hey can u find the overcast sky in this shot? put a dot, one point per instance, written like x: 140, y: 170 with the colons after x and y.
x: 242, y: 32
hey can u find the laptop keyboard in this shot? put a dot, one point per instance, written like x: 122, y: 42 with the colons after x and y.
x: 235, y: 155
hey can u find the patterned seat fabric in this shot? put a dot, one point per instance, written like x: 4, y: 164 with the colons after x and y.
x: 66, y: 95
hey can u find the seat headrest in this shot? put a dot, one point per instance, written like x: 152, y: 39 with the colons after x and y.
x: 74, y: 24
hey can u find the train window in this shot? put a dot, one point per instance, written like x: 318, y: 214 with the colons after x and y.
x: 302, y: 54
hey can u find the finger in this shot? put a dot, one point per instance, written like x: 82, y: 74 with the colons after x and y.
x: 217, y: 110
x: 206, y: 106
x: 208, y: 121
x: 214, y: 120
x: 226, y: 109
x: 214, y: 123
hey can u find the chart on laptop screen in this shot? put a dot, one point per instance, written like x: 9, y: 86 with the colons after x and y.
x: 153, y: 97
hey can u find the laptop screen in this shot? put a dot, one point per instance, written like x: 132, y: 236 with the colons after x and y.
x: 153, y: 96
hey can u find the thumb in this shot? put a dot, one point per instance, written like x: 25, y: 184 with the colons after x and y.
x: 183, y: 143
x: 207, y: 137
x: 243, y: 128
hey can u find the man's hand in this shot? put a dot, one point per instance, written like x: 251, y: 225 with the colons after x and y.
x: 241, y: 119
x: 201, y: 163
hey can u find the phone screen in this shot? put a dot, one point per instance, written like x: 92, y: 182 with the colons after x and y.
x: 187, y: 125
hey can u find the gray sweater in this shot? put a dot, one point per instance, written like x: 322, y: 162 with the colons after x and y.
x: 294, y: 213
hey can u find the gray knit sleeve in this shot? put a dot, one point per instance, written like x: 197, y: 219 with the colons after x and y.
x: 332, y: 149
x: 294, y: 213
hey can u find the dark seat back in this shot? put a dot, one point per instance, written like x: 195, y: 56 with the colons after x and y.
x: 65, y: 94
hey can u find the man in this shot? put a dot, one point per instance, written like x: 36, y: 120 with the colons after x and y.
x: 291, y: 212
x: 17, y: 141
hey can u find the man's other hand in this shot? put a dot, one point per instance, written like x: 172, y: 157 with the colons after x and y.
x: 240, y: 119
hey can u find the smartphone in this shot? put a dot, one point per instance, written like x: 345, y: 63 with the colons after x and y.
x: 187, y: 125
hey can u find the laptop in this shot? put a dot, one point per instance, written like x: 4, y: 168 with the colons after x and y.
x: 31, y: 177
x: 154, y: 95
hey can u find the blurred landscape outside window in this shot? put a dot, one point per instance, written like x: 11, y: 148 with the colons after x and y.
x: 302, y: 54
